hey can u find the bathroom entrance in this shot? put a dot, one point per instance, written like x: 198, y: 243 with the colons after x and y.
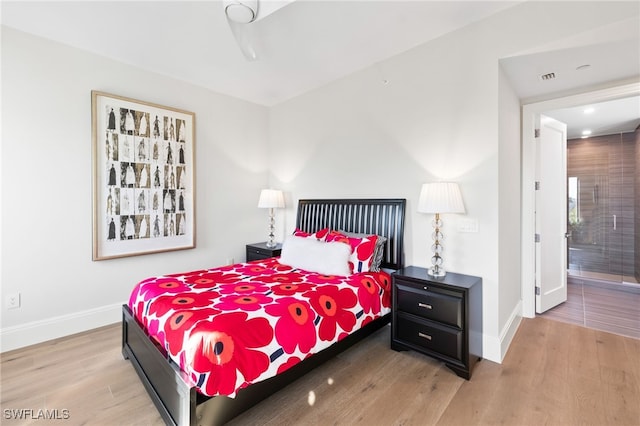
x: 602, y: 211
x: 571, y: 110
x: 601, y: 174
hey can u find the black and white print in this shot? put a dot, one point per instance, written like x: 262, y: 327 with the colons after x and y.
x: 144, y: 186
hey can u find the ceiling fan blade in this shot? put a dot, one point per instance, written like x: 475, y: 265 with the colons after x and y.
x: 243, y: 36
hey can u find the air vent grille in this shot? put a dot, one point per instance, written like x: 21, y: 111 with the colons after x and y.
x: 548, y: 76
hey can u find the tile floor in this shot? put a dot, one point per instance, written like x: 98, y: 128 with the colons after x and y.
x: 611, y: 308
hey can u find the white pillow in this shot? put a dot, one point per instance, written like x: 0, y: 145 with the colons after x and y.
x: 316, y: 256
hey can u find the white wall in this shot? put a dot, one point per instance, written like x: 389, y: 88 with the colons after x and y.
x: 509, y: 208
x: 46, y: 185
x: 446, y: 113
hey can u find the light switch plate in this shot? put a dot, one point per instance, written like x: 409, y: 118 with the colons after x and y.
x: 468, y: 225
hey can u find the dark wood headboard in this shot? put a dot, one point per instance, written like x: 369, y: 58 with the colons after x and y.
x: 368, y: 216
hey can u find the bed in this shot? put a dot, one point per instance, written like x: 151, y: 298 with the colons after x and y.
x: 184, y: 396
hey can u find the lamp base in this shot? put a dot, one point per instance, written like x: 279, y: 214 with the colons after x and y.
x: 436, y: 272
x: 271, y: 242
x: 436, y: 260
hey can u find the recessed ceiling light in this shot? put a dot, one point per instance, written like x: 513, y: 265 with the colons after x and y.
x: 586, y: 132
x: 583, y: 67
x: 589, y: 110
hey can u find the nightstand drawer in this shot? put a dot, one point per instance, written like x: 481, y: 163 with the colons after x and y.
x: 430, y: 304
x: 445, y: 341
x: 259, y: 251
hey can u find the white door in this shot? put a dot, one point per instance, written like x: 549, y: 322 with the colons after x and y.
x: 551, y: 214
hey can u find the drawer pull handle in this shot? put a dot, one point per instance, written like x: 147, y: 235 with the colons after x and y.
x: 424, y: 336
x: 425, y: 288
x: 424, y: 305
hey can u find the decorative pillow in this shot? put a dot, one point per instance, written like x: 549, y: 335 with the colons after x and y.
x: 320, y: 235
x: 378, y: 252
x: 306, y: 253
x: 362, y: 250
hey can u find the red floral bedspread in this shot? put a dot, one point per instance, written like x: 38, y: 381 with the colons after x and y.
x: 232, y: 326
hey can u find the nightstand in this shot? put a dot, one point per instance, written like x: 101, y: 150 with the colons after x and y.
x: 260, y: 251
x: 438, y: 316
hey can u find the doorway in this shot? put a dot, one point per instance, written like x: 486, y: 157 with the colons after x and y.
x: 601, y: 208
x: 602, y: 290
x: 530, y: 113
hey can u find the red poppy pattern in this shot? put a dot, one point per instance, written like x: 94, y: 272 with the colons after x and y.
x: 320, y: 235
x: 232, y: 326
x: 362, y: 250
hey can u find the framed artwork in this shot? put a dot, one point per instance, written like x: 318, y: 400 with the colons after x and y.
x: 143, y: 177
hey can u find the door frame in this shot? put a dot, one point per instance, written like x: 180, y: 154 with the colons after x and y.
x: 528, y: 166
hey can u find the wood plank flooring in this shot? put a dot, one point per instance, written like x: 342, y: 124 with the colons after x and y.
x: 555, y: 373
x: 615, y: 309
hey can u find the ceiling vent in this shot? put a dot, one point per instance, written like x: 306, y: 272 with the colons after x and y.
x: 548, y: 76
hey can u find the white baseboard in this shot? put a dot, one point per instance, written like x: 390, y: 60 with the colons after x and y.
x: 34, y: 332
x: 491, y: 348
x: 509, y: 330
x: 495, y: 348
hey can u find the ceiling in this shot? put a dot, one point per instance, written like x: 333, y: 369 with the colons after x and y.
x: 603, y: 118
x: 305, y: 44
x: 301, y: 46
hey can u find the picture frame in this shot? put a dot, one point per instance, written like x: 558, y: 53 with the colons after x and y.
x: 143, y: 177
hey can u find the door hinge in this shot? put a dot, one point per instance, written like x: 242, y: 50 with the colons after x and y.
x: 536, y: 133
x: 537, y: 291
x: 537, y: 185
x: 537, y: 237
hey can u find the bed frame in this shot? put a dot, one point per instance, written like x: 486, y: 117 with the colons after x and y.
x: 176, y: 397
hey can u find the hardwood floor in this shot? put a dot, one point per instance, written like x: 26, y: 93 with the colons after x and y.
x: 601, y: 307
x: 555, y: 373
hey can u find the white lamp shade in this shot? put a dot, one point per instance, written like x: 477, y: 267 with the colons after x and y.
x: 440, y: 197
x: 271, y: 199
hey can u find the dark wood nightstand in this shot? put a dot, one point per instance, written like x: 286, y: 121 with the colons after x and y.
x: 260, y: 251
x: 439, y: 317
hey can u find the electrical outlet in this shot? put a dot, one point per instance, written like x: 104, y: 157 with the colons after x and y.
x: 230, y: 261
x: 12, y: 300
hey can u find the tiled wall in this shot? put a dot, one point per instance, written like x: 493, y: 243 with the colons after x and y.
x: 637, y: 204
x: 606, y: 167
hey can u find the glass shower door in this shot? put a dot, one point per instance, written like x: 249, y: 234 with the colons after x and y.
x: 623, y: 203
x: 593, y: 188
